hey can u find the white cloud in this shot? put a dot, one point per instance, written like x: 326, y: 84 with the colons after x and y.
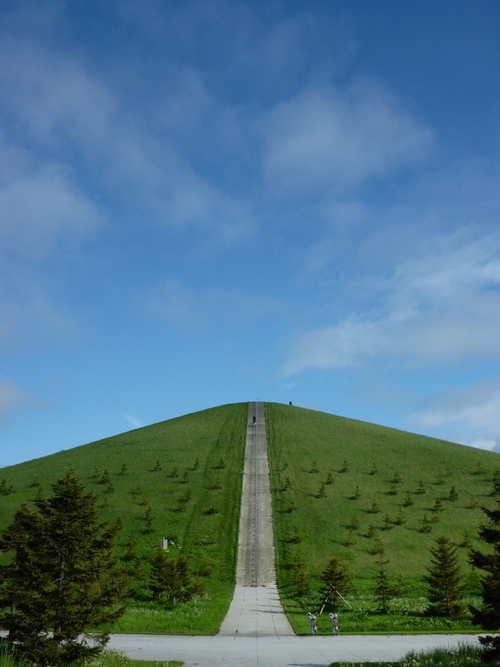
x: 468, y: 415
x: 13, y: 399
x: 185, y: 308
x: 132, y: 420
x: 440, y: 309
x: 326, y: 138
x: 42, y: 212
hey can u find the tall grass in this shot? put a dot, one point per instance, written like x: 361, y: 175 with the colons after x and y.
x: 116, y: 659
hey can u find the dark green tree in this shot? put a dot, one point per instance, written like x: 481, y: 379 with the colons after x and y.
x: 300, y: 577
x: 171, y: 580
x: 62, y: 579
x: 336, y: 579
x: 383, y: 591
x: 446, y: 589
x: 489, y: 616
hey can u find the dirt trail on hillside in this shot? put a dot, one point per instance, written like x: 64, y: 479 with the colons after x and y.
x: 256, y: 608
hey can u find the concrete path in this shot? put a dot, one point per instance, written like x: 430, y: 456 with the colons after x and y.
x: 274, y: 651
x: 256, y: 609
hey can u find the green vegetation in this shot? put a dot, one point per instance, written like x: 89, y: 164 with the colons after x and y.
x: 133, y: 474
x: 392, y: 494
x: 63, y: 579
x: 105, y: 659
x: 372, y: 497
x: 464, y: 656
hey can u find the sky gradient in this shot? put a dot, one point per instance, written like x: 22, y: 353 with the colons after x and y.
x: 206, y: 202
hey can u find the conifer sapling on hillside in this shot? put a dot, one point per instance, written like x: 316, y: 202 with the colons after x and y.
x: 446, y: 589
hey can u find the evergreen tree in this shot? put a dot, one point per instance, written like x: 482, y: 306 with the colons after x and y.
x: 336, y: 579
x: 171, y: 579
x: 63, y: 579
x: 299, y: 576
x: 489, y: 616
x: 384, y: 591
x: 446, y: 589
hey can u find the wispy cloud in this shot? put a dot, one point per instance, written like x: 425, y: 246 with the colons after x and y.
x: 428, y: 314
x: 469, y: 415
x: 13, y: 399
x: 185, y: 308
x: 133, y: 421
x: 327, y: 138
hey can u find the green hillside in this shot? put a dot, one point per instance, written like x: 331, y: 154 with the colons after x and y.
x: 181, y: 479
x: 200, y: 457
x: 402, y: 475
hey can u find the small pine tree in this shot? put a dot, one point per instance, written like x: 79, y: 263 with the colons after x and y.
x: 489, y: 615
x: 400, y: 518
x: 329, y: 479
x: 357, y: 494
x: 322, y: 491
x: 425, y: 526
x: 420, y: 488
x: 438, y: 506
x: 374, y: 469
x: 383, y: 591
x: 350, y: 539
x: 374, y: 507
x: 171, y: 580
x: 149, y: 519
x: 336, y: 579
x: 157, y: 467
x: 345, y: 466
x: 314, y: 468
x: 300, y: 578
x: 453, y: 494
x: 408, y: 501
x: 353, y: 523
x: 445, y: 586
x: 466, y: 540
x: 292, y: 507
x: 396, y: 479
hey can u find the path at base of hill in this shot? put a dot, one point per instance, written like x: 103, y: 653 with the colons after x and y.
x: 273, y: 651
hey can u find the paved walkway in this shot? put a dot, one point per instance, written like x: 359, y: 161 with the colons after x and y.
x: 256, y: 608
x: 274, y: 651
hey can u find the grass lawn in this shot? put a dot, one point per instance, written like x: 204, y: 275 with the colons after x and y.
x: 340, y: 487
x: 149, y: 471
x: 384, y: 488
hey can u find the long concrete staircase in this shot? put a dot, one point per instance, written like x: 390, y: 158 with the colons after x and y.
x: 256, y: 609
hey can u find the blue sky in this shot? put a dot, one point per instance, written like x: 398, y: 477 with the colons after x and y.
x: 214, y: 201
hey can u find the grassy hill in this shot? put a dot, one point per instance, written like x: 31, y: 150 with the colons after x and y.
x: 197, y: 456
x: 400, y: 475
x: 181, y: 479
